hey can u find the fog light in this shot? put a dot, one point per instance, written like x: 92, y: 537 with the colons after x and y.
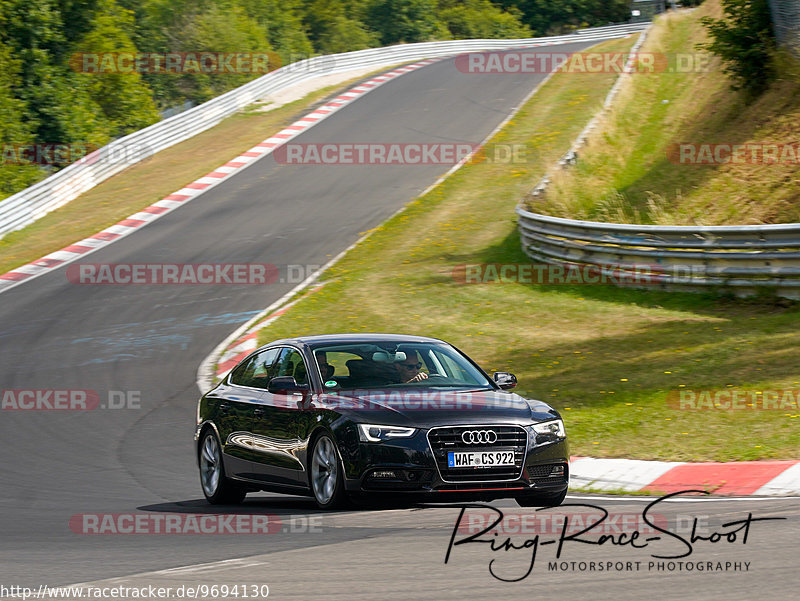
x: 558, y: 470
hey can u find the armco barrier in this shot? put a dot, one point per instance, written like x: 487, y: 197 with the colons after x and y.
x: 36, y: 201
x: 740, y: 258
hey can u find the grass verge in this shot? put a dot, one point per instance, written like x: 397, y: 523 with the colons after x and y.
x: 154, y: 178
x: 605, y: 357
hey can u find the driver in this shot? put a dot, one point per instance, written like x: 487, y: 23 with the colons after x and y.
x: 409, y: 368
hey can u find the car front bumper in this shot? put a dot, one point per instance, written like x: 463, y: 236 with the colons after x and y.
x: 409, y: 469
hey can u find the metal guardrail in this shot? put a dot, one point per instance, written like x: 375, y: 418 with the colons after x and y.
x: 47, y: 195
x: 740, y: 258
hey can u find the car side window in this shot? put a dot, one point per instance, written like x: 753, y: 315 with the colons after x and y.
x: 452, y: 370
x: 257, y: 371
x: 291, y: 363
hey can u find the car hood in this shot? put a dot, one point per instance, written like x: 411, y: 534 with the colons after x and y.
x: 427, y: 408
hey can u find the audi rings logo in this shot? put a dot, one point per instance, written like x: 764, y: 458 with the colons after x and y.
x: 479, y: 437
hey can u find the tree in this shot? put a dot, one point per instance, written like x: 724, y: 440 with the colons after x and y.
x: 15, y: 130
x: 481, y: 19
x: 552, y: 17
x: 57, y: 102
x: 745, y: 41
x: 282, y: 22
x: 225, y: 29
x: 402, y: 20
x: 125, y: 100
x: 344, y: 35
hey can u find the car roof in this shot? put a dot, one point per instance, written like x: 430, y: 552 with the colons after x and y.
x: 324, y: 339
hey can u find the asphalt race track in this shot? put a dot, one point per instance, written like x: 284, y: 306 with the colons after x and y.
x: 146, y: 342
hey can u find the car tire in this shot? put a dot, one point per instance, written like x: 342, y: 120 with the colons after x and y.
x: 542, y: 499
x: 326, y: 474
x: 217, y: 487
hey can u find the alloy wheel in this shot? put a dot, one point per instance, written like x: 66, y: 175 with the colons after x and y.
x: 210, y: 465
x: 324, y: 470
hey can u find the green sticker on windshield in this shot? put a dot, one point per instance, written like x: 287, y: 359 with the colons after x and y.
x: 331, y: 383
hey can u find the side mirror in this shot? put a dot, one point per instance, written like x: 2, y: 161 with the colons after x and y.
x: 286, y: 385
x: 505, y: 380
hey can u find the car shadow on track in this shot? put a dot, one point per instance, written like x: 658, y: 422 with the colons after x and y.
x: 284, y: 505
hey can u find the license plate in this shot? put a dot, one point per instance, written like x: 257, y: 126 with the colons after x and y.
x: 480, y: 459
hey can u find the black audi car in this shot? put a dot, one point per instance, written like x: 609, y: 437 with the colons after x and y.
x: 376, y: 415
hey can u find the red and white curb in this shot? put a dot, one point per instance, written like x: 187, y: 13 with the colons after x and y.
x: 194, y: 189
x: 768, y: 478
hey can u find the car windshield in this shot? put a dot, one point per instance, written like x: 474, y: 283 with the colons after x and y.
x: 350, y: 366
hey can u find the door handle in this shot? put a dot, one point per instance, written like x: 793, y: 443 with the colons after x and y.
x: 258, y: 412
x: 224, y: 408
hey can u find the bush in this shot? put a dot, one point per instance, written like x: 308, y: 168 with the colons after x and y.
x: 746, y: 43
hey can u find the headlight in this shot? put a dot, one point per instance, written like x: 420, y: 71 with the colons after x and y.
x: 553, y: 428
x: 373, y: 433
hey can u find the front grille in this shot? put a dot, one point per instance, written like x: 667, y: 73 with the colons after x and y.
x: 542, y: 474
x: 449, y: 439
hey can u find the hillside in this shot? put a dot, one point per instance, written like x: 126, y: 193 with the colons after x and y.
x: 680, y: 147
